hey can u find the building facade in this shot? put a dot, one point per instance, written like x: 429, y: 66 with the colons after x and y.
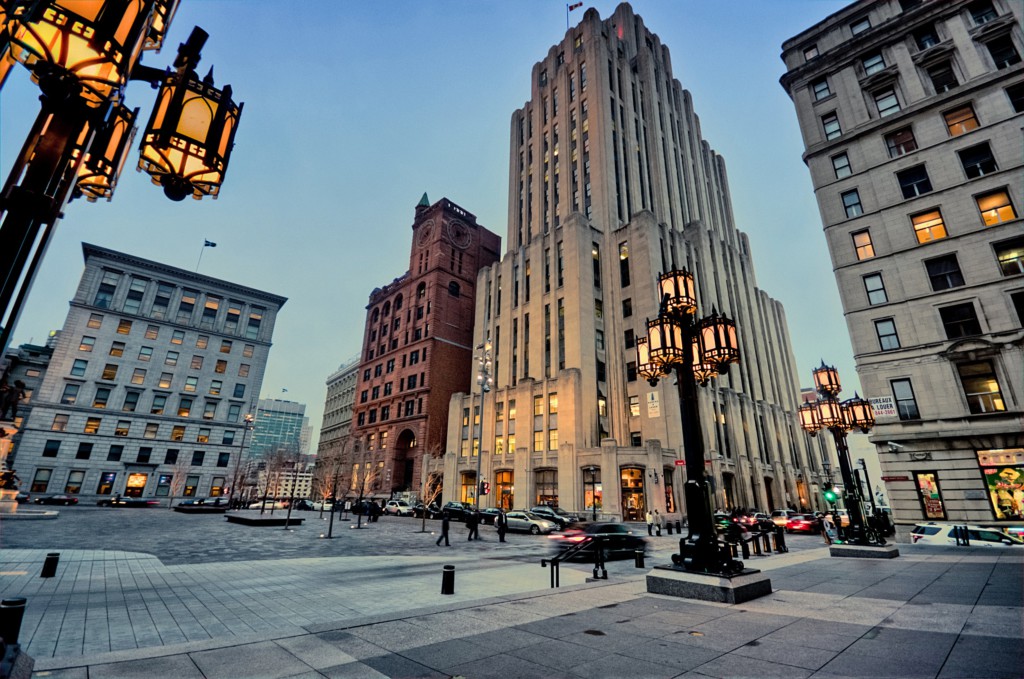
x: 148, y: 383
x: 417, y: 344
x: 611, y: 183
x: 278, y: 429
x: 25, y: 365
x: 911, y: 115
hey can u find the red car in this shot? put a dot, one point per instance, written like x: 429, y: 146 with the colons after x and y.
x: 803, y: 523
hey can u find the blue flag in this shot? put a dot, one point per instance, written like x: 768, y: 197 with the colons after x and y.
x: 209, y: 244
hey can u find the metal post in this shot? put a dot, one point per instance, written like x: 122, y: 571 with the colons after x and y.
x: 850, y: 492
x: 448, y: 580
x: 11, y: 613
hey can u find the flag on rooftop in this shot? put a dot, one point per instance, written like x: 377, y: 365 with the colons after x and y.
x: 575, y: 5
x: 209, y: 244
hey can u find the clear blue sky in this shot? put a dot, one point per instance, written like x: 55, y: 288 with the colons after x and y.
x: 354, y: 109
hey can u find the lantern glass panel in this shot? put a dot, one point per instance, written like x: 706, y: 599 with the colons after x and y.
x: 197, y: 114
x: 826, y: 380
x: 809, y: 417
x: 831, y: 413
x: 677, y: 288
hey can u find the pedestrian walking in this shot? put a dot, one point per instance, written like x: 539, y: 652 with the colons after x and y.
x: 501, y: 523
x: 657, y: 523
x: 472, y: 523
x: 444, y: 531
x: 650, y: 524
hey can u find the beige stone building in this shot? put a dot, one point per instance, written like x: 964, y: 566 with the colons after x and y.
x: 610, y: 183
x: 911, y: 119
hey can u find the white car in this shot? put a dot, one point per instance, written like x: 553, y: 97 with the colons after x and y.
x: 942, y: 534
x: 398, y: 508
x: 325, y: 506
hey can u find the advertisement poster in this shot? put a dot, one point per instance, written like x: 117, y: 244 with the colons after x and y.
x: 1005, y: 487
x: 931, y: 496
x: 653, y: 405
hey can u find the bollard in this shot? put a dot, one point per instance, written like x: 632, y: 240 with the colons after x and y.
x: 746, y: 549
x: 767, y: 543
x: 639, y: 558
x: 448, y: 580
x: 11, y: 613
x: 50, y: 565
x: 780, y: 539
x: 757, y: 546
x: 679, y: 527
x: 668, y: 525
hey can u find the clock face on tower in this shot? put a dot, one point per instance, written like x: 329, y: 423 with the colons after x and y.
x: 459, y: 235
x: 425, y: 233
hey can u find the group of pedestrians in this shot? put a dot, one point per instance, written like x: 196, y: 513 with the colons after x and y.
x: 473, y: 521
x: 653, y: 522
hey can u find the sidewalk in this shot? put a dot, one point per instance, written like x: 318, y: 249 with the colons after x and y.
x: 933, y: 612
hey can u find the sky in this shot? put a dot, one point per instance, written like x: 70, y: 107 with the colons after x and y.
x: 354, y: 109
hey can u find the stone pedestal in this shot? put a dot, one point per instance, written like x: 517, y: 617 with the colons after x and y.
x: 864, y: 551
x: 8, y: 501
x: 744, y: 586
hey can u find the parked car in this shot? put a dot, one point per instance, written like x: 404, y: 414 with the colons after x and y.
x: 457, y: 511
x: 322, y: 505
x: 203, y: 505
x: 521, y: 520
x: 563, y: 518
x: 22, y: 497
x: 303, y: 506
x: 803, y: 523
x: 432, y: 510
x: 118, y: 501
x: 398, y: 508
x: 56, y: 500
x: 942, y: 534
x: 615, y: 539
x: 780, y: 517
x: 269, y: 504
x: 208, y: 501
x: 488, y: 515
x: 841, y: 517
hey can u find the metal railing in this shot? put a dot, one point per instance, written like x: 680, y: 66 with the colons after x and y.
x: 600, y: 572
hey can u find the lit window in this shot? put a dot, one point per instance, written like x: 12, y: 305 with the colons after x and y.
x: 996, y: 207
x: 138, y: 376
x: 960, y: 120
x: 152, y: 332
x: 202, y: 341
x: 886, y: 331
x: 152, y: 429
x: 215, y: 387
x: 851, y: 203
x: 190, y: 383
x: 70, y: 394
x: 929, y: 226
x: 875, y: 288
x: 95, y: 320
x: 203, y: 436
x: 221, y: 367
x: 165, y: 380
x: 159, y: 402
x: 117, y: 349
x: 900, y: 142
x: 122, y: 428
x: 243, y: 370
x: 944, y: 272
x: 101, y: 398
x: 981, y: 387
x: 109, y: 372
x: 184, y: 407
x: 124, y: 327
x: 1010, y: 254
x: 634, y: 406
x: 92, y: 425
x: 177, y: 337
x: 225, y: 346
x: 87, y: 343
x: 60, y: 423
x: 862, y: 243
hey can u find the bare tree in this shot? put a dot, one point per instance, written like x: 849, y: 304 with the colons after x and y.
x: 273, y: 467
x: 432, y: 484
x: 178, y: 475
x: 362, y: 478
x: 324, y: 475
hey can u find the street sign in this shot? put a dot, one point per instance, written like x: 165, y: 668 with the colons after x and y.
x: 680, y: 463
x: 883, y: 406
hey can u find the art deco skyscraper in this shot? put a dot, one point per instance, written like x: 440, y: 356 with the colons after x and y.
x: 610, y: 183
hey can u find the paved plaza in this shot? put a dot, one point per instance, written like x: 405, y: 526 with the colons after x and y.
x: 151, y: 613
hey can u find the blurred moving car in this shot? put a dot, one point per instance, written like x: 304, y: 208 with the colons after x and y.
x: 520, y: 520
x: 614, y: 538
x: 556, y: 514
x: 269, y: 504
x: 56, y: 500
x: 489, y: 515
x: 942, y: 534
x: 118, y: 501
x: 203, y: 505
x: 432, y: 510
x: 803, y: 523
x: 398, y: 508
x: 303, y: 506
x: 22, y: 497
x: 780, y: 517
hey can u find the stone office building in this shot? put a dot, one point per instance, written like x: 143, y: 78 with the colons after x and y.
x: 911, y: 114
x: 149, y: 380
x: 610, y: 183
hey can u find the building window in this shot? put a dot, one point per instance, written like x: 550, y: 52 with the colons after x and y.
x: 105, y: 293
x: 538, y: 441
x: 810, y: 52
x: 552, y: 439
x: 930, y: 495
x: 820, y: 89
x: 886, y: 330
x: 178, y: 433
x: 115, y: 453
x: 145, y: 354
x: 906, y: 405
x: 41, y: 480
x: 830, y: 123
x: 152, y: 430
x: 914, y: 181
x: 841, y: 165
x: 87, y: 343
x: 70, y: 394
x: 109, y: 372
x: 78, y: 367
x: 84, y: 451
x: 124, y: 327
x: 960, y: 320
x: 928, y: 226
x: 631, y: 371
x: 1016, y: 95
x: 995, y: 207
x: 184, y: 407
x: 221, y: 367
x: 51, y: 448
x: 944, y: 272
x: 203, y: 436
x: 197, y: 458
x: 1010, y: 255
x: 92, y: 425
x: 862, y: 244
x: 981, y: 387
x: 886, y: 102
x: 223, y: 459
x: 926, y: 37
x: 172, y: 358
x: 851, y: 203
x: 634, y: 406
x: 624, y: 264
x: 197, y: 363
x: 942, y: 76
x: 117, y: 349
x: 875, y: 288
x: 873, y: 63
x: 122, y: 428
x: 960, y: 120
x: 131, y: 401
x: 627, y: 308
x: 60, y: 422
x: 191, y: 383
x: 215, y: 387
x: 977, y: 161
x: 210, y: 410
x: 1004, y: 54
x: 860, y: 25
x: 95, y: 321
x: 982, y: 12
x: 101, y: 398
x: 900, y: 142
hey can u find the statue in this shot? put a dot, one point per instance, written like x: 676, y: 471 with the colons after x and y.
x: 9, y: 398
x: 9, y: 480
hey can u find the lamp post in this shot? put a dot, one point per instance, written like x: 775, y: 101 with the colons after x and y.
x: 827, y: 412
x: 696, y: 350
x: 247, y: 425
x: 82, y: 55
x: 484, y: 379
x: 590, y: 479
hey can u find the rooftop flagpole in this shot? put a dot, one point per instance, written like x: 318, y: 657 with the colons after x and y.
x: 206, y: 244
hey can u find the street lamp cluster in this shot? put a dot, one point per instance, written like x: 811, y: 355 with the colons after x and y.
x: 82, y: 54
x: 840, y: 417
x: 696, y: 350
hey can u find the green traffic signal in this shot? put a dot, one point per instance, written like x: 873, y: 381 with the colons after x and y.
x: 830, y: 494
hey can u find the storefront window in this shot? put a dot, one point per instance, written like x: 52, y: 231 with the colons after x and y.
x: 547, y: 487
x: 106, y: 484
x: 135, y: 485
x: 74, y: 484
x: 163, y: 485
x: 592, y: 493
x: 505, y: 497
x: 467, y: 487
x: 633, y: 505
x: 217, y: 487
x: 191, y: 482
x: 41, y: 480
x: 1003, y: 471
x: 930, y: 494
x: 670, y: 496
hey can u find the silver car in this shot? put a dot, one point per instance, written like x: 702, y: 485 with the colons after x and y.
x: 529, y: 522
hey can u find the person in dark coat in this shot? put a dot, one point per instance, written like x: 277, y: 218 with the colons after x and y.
x: 444, y: 531
x: 472, y: 521
x: 501, y: 523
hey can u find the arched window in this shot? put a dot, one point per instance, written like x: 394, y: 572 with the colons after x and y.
x: 421, y: 291
x: 453, y: 289
x: 387, y: 309
x: 398, y: 303
x: 374, y: 315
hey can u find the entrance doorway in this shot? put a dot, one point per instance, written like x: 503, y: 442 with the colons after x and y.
x: 634, y: 504
x: 135, y: 484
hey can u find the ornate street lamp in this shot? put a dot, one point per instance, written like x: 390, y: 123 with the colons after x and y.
x: 486, y: 381
x: 827, y: 412
x: 697, y: 350
x: 82, y: 53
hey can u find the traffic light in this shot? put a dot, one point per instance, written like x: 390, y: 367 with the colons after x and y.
x: 830, y: 493
x: 485, y: 487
